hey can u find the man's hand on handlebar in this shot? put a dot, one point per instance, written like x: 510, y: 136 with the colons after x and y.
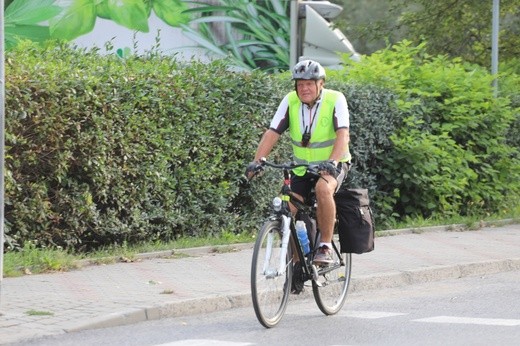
x: 329, y: 168
x: 253, y: 168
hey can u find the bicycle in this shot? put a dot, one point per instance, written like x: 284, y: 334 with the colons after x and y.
x: 272, y: 266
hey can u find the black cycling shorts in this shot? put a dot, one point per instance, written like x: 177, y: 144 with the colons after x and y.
x: 303, y: 185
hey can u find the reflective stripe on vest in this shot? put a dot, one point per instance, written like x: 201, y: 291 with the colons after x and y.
x: 323, y: 137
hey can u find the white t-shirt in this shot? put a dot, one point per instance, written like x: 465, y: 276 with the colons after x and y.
x: 310, y: 116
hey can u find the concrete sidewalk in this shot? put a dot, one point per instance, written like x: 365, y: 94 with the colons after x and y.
x: 204, y: 281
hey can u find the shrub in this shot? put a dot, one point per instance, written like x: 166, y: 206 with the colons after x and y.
x: 451, y: 155
x: 508, y: 86
x: 103, y: 150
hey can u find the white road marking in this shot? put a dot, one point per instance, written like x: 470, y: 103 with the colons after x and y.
x: 370, y: 314
x: 471, y: 320
x: 202, y: 342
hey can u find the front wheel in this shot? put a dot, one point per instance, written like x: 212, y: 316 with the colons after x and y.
x: 269, y: 287
x: 330, y: 289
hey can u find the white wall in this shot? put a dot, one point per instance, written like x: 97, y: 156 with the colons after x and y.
x: 171, y: 39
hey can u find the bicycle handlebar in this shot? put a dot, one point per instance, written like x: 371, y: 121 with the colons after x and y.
x: 255, y: 169
x: 311, y: 168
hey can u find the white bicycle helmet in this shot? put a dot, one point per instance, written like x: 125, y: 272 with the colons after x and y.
x: 308, y: 69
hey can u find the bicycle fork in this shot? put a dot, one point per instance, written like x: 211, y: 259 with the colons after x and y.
x: 282, y: 265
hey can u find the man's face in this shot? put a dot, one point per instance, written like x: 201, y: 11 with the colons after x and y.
x: 308, y: 90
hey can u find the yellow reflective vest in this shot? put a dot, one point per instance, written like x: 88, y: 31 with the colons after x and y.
x: 323, y: 137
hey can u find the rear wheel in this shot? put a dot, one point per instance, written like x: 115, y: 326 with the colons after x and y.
x: 269, y: 288
x: 330, y: 290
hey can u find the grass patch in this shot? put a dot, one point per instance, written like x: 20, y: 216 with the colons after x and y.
x: 33, y: 260
x: 39, y: 313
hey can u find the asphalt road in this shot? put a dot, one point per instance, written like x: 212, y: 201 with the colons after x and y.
x: 468, y: 311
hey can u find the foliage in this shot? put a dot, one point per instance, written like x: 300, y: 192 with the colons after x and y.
x: 105, y: 151
x: 451, y: 156
x: 101, y: 150
x: 373, y: 116
x: 469, y: 26
x: 457, y: 28
x: 255, y: 34
x: 33, y: 260
x: 69, y: 19
x: 508, y: 86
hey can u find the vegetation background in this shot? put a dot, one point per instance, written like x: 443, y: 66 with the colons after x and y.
x: 106, y: 151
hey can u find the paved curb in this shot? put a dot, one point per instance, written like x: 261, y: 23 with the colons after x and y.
x: 435, y: 273
x: 358, y: 284
x: 447, y: 228
x: 215, y: 249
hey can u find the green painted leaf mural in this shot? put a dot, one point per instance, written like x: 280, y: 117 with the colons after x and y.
x: 77, y: 18
x: 22, y: 20
x: 69, y: 19
x: 102, y: 10
x: 171, y: 11
x: 30, y: 12
x: 132, y: 14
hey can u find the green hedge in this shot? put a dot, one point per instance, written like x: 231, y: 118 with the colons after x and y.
x: 457, y: 152
x: 102, y: 150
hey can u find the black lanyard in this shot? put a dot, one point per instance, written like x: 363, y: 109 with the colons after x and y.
x: 311, y: 119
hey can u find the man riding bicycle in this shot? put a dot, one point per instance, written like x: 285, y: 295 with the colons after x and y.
x: 318, y: 123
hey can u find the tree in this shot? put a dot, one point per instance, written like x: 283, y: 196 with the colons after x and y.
x: 457, y: 28
x: 462, y: 28
x: 365, y: 21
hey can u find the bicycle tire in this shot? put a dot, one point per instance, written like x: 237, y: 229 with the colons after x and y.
x: 270, y: 292
x: 330, y: 290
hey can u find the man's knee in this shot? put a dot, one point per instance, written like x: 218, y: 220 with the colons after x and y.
x: 325, y: 188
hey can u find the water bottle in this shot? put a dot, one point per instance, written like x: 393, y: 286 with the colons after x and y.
x: 301, y: 231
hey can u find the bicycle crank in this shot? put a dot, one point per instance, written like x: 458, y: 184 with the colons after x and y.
x: 315, y: 275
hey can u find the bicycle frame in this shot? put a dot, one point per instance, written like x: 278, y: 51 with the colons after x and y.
x: 289, y: 232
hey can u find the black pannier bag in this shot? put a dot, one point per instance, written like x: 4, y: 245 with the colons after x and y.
x: 356, y: 226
